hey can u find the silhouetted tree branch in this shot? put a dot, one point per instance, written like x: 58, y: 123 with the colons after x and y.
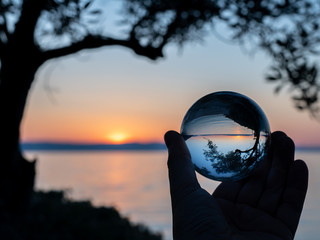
x: 91, y: 41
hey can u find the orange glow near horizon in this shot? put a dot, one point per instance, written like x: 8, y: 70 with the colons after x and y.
x: 96, y: 129
x: 117, y: 137
x: 238, y: 137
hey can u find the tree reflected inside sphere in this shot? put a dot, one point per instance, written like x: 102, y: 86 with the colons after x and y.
x: 227, y: 135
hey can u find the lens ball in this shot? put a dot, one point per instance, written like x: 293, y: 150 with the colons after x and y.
x: 227, y: 135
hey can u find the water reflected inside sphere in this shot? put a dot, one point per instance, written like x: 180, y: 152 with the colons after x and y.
x: 227, y: 135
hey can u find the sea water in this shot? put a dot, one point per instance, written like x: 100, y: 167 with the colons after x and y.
x: 118, y: 178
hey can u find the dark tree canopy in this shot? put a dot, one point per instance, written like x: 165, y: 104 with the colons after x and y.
x: 286, y: 29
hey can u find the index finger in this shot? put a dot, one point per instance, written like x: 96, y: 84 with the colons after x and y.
x: 182, y: 176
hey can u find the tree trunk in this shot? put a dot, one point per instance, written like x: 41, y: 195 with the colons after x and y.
x: 20, y: 59
x: 16, y: 173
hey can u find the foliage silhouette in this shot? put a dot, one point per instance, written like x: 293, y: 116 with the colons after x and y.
x: 233, y: 161
x: 53, y: 216
x: 35, y: 31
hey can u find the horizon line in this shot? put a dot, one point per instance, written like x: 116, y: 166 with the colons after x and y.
x: 64, y: 145
x: 68, y: 146
x: 88, y: 142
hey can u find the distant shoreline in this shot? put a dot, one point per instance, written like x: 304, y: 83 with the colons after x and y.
x: 48, y: 146
x: 308, y: 148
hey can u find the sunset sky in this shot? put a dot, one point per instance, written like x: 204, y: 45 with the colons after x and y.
x: 110, y: 95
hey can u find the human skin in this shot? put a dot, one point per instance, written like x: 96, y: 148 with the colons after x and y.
x: 264, y: 206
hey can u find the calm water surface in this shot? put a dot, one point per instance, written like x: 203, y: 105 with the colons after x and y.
x: 136, y: 183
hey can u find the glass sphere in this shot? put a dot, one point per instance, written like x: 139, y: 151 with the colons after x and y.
x: 227, y: 135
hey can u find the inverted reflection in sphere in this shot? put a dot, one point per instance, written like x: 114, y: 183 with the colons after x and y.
x: 227, y: 135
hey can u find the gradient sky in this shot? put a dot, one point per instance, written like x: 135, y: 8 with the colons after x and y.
x: 112, y: 95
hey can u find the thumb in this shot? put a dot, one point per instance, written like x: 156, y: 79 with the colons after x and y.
x: 182, y: 177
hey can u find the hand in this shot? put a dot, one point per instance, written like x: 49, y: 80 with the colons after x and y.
x: 266, y: 205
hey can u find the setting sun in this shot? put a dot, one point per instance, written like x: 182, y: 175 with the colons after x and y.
x: 117, y: 137
x: 238, y: 136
